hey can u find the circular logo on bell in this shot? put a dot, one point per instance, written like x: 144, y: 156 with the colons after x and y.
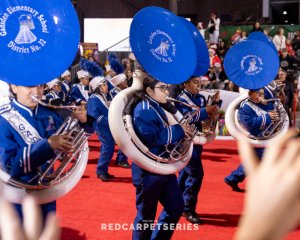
x: 24, y: 29
x: 162, y: 46
x: 251, y: 64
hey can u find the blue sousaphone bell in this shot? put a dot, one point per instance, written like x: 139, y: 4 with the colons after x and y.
x: 168, y: 47
x: 38, y: 40
x: 252, y: 64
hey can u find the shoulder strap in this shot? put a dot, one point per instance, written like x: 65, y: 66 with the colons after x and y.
x: 22, y: 126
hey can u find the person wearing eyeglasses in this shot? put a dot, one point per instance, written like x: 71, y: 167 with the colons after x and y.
x: 190, y: 178
x: 255, y: 115
x: 151, y: 126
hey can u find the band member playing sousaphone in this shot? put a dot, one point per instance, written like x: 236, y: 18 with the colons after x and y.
x: 253, y: 65
x: 255, y: 115
x: 190, y: 178
x: 151, y: 125
x: 29, y: 137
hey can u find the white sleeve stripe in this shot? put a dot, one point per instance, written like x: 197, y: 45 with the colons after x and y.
x: 99, y: 118
x: 28, y: 158
x: 24, y: 159
x: 263, y: 121
x: 168, y: 138
x: 170, y: 134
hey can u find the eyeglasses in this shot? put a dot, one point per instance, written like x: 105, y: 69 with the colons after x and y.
x: 163, y: 88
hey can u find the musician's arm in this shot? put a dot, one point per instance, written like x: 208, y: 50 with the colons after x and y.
x: 153, y: 133
x: 202, y: 115
x: 22, y: 160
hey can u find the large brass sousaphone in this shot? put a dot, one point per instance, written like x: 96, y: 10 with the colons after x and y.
x: 38, y: 42
x: 168, y: 48
x: 253, y: 64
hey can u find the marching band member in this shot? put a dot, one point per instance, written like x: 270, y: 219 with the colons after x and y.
x: 151, y: 125
x: 120, y: 83
x: 27, y: 140
x: 97, y: 107
x: 255, y: 115
x: 56, y: 96
x: 66, y: 82
x: 79, y: 92
x: 190, y: 178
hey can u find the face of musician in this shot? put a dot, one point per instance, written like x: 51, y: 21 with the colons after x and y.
x: 159, y: 92
x: 67, y: 78
x: 103, y: 87
x: 24, y: 94
x: 85, y: 81
x: 257, y: 96
x: 193, y: 85
x: 57, y: 87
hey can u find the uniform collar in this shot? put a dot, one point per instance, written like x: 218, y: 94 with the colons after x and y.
x: 190, y: 94
x: 23, y: 109
x: 152, y: 101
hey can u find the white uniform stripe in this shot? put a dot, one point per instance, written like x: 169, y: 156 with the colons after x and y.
x: 24, y: 159
x: 28, y: 158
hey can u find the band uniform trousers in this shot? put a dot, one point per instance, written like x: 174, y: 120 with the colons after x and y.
x: 190, y: 179
x: 151, y: 188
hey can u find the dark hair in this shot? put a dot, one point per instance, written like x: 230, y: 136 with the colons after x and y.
x: 149, y: 82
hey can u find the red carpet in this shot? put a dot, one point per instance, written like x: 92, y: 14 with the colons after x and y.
x: 93, y: 205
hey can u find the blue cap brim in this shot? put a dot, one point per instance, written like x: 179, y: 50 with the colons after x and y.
x: 251, y: 64
x: 163, y: 45
x: 39, y: 41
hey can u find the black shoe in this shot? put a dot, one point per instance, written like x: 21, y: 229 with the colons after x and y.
x: 110, y: 176
x: 234, y: 186
x: 192, y: 217
x: 105, y: 177
x: 123, y: 165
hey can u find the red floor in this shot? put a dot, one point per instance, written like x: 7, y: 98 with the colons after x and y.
x: 89, y: 208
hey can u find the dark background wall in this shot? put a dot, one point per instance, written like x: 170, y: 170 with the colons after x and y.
x: 230, y: 12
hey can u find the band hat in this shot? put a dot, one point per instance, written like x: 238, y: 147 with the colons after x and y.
x: 259, y: 36
x: 82, y: 74
x: 116, y: 80
x: 96, y: 82
x: 29, y: 40
x: 164, y: 47
x: 251, y: 64
x: 66, y: 73
x: 52, y: 83
x: 202, y: 63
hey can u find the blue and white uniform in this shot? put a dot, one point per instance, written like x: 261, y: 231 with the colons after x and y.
x: 255, y: 118
x: 54, y: 95
x: 24, y: 147
x: 97, y: 107
x: 190, y: 178
x: 66, y: 87
x: 79, y: 93
x: 151, y: 126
